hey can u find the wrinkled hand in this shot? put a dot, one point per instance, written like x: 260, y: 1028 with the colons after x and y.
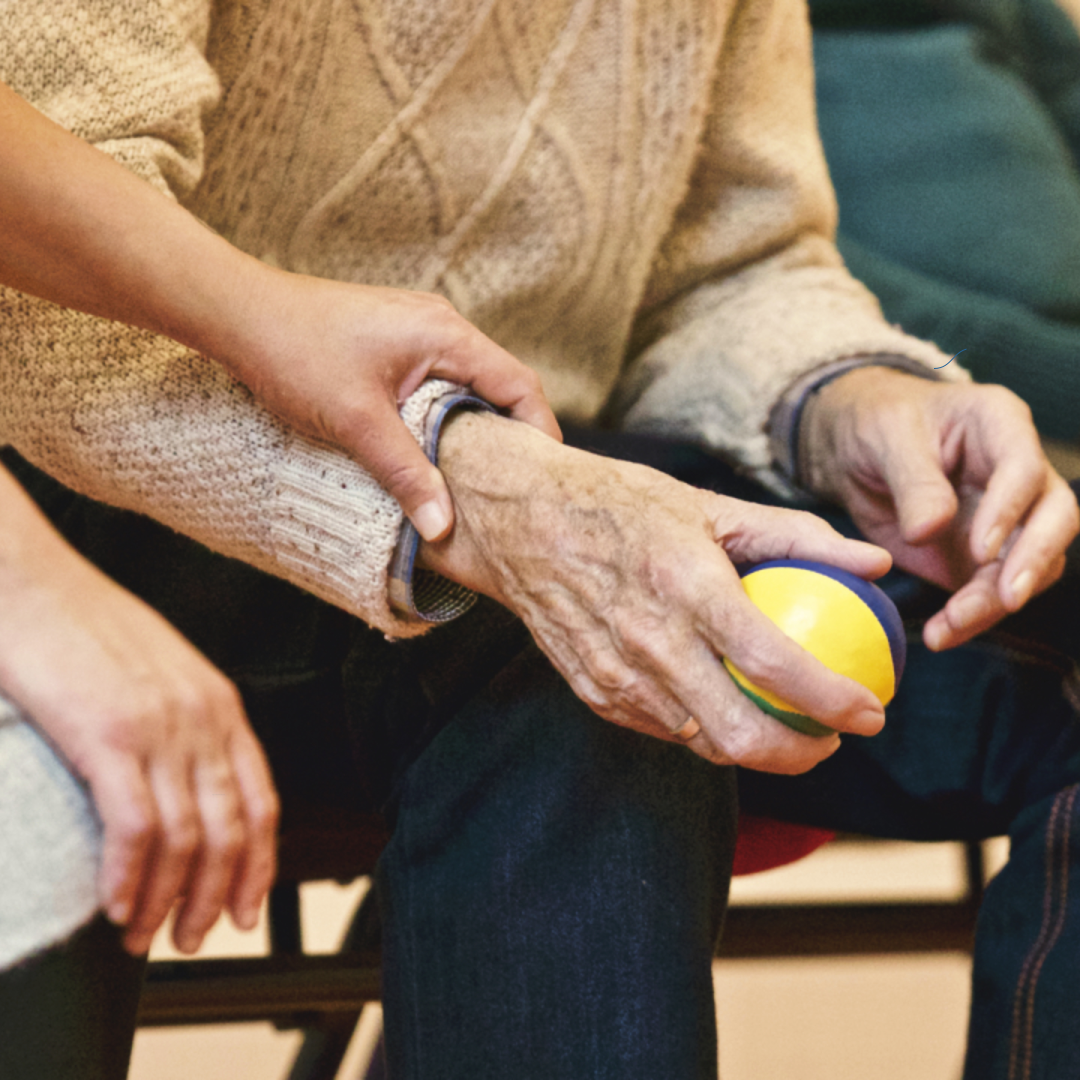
x: 625, y: 579
x: 952, y: 480
x: 336, y: 360
x: 178, y: 778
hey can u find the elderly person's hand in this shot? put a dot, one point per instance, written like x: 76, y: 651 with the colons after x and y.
x: 952, y: 480
x: 625, y: 578
x: 178, y: 778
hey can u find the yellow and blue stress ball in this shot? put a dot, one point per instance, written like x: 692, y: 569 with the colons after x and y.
x: 848, y: 623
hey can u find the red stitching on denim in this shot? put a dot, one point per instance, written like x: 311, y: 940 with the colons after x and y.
x: 1056, y: 889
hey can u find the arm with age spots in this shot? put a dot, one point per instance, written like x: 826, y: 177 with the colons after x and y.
x: 625, y: 579
x: 952, y: 480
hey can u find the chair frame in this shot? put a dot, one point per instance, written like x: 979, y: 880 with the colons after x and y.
x: 324, y: 995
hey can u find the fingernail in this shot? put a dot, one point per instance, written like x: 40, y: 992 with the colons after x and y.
x: 934, y: 636
x: 138, y: 946
x: 871, y: 718
x: 119, y: 912
x: 431, y: 520
x: 189, y: 943
x: 992, y: 543
x: 248, y: 918
x: 1022, y: 585
x: 968, y: 610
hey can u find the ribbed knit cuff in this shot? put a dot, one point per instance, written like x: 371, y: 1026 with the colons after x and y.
x: 337, y: 530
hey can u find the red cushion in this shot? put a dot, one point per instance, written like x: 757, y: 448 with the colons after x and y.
x: 764, y: 844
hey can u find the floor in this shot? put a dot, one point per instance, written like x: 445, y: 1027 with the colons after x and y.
x: 891, y: 1018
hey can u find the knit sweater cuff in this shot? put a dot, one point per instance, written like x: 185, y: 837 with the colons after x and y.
x: 337, y: 529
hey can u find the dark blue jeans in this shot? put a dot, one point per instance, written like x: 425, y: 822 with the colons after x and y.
x: 982, y: 741
x: 554, y: 885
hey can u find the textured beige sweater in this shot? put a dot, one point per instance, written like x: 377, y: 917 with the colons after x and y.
x: 627, y: 194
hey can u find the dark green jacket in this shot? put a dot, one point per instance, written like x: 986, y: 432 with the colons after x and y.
x: 952, y: 129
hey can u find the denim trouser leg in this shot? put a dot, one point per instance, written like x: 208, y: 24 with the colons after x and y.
x: 555, y: 885
x: 553, y: 893
x: 981, y: 741
x: 1025, y: 1023
x: 69, y: 1013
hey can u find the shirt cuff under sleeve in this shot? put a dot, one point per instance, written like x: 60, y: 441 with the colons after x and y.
x: 786, y: 415
x: 416, y: 593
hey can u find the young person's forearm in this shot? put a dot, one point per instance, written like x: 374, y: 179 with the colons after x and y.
x: 82, y: 231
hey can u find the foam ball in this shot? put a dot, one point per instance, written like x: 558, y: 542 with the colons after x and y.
x: 849, y: 624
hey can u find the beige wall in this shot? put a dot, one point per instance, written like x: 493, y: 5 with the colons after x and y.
x: 1073, y: 8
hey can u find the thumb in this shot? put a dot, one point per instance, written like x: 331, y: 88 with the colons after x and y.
x: 386, y: 448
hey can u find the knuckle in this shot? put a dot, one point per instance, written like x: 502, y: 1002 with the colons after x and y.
x: 593, y: 696
x: 183, y: 837
x: 636, y: 698
x: 136, y: 828
x: 588, y: 691
x: 226, y: 839
x: 409, y: 482
x: 744, y: 744
x: 195, y: 710
x: 437, y: 300
x: 1073, y: 518
x: 761, y: 664
x: 606, y: 670
x: 264, y: 812
x: 1002, y: 397
x: 224, y: 695
x: 753, y: 747
x: 186, y: 706
x: 124, y: 729
x: 639, y: 638
x: 527, y: 382
x: 805, y: 521
x: 122, y: 735
x: 451, y: 332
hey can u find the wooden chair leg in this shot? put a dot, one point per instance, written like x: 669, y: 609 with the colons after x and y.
x: 376, y: 1070
x: 326, y: 1043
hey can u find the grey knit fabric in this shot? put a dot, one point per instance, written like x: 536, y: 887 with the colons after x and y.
x: 50, y: 844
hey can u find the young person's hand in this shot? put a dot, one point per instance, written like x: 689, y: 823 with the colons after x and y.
x: 179, y: 781
x: 333, y: 360
x: 336, y: 361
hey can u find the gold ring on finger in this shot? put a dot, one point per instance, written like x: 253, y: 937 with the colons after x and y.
x: 690, y: 727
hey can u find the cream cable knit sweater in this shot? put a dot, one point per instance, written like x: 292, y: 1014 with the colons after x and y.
x: 628, y: 194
